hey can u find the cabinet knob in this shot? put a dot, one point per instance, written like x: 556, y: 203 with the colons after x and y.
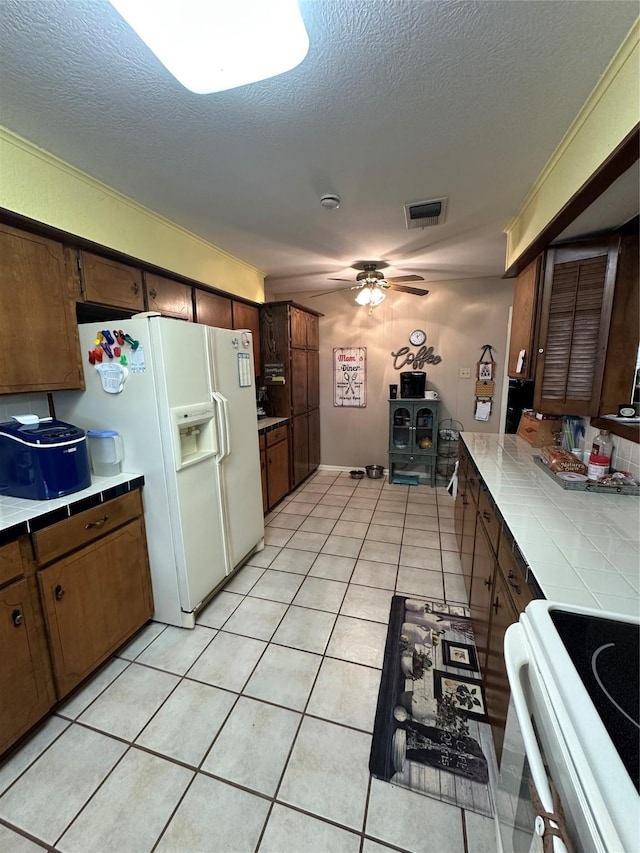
x: 153, y: 293
x: 496, y: 605
x: 97, y: 523
x: 58, y: 592
x: 486, y: 515
x: 134, y: 288
x: 541, y: 350
x: 17, y: 618
x: 488, y: 583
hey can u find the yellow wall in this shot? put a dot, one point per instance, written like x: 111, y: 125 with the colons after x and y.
x: 36, y: 184
x: 609, y: 115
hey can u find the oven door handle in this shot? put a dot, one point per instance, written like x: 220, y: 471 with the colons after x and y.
x: 517, y: 660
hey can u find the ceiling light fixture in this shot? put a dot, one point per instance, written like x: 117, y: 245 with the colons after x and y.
x: 371, y: 295
x: 215, y: 45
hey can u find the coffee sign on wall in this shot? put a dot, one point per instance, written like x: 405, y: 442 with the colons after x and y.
x: 350, y: 376
x: 415, y: 360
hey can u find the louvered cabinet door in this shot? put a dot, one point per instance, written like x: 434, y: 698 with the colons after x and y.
x: 576, y: 311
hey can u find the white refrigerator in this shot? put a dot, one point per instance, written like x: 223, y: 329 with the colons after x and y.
x: 185, y: 406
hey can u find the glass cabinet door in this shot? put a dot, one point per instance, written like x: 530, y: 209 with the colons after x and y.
x: 401, y: 428
x: 424, y: 427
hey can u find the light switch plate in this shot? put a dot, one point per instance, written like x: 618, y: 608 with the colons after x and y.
x: 465, y: 373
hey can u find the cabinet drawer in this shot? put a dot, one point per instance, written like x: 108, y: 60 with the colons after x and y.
x: 276, y: 435
x: 10, y: 562
x: 489, y: 519
x: 81, y: 529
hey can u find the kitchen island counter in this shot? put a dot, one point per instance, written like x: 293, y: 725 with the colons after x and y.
x: 19, y: 516
x: 582, y: 548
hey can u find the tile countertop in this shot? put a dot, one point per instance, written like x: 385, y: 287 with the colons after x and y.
x: 18, y: 516
x: 583, y: 548
x: 265, y: 424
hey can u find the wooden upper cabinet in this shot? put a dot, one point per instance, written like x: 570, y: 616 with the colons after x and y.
x: 248, y: 317
x: 213, y: 310
x: 298, y: 327
x: 577, y: 298
x: 108, y: 282
x: 313, y: 331
x: 40, y: 349
x: 171, y: 298
x: 523, y: 322
x: 300, y: 381
x: 313, y: 379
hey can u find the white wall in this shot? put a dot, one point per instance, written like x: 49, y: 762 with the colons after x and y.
x: 458, y: 318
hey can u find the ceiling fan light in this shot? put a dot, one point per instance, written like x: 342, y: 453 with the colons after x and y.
x: 377, y: 296
x: 215, y: 45
x: 363, y: 297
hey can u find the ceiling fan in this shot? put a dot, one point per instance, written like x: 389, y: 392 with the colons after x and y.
x: 371, y: 283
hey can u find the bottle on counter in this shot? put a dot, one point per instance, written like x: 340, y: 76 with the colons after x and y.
x: 600, y: 457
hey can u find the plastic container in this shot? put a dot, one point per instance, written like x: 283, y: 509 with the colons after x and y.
x: 600, y: 457
x: 105, y: 452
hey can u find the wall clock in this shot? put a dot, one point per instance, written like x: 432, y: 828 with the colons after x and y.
x: 417, y: 337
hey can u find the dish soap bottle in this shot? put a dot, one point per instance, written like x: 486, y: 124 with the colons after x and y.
x: 600, y: 458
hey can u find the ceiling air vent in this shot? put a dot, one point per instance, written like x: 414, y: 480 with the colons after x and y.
x: 419, y: 214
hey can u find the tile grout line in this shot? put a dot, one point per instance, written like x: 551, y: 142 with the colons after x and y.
x: 324, y: 656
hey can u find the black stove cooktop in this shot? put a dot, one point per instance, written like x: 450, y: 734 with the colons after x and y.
x: 606, y: 655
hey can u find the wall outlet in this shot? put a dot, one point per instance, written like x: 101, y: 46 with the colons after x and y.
x: 465, y: 373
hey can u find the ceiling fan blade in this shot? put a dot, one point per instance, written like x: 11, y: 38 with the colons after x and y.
x: 404, y: 278
x: 339, y: 279
x: 333, y: 290
x: 403, y: 289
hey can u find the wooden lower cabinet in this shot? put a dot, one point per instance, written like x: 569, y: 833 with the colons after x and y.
x: 274, y: 466
x: 496, y: 683
x: 94, y: 600
x: 314, y: 439
x: 510, y: 597
x: 25, y: 689
x: 484, y: 569
x: 305, y: 445
x: 277, y: 466
x: 300, y: 449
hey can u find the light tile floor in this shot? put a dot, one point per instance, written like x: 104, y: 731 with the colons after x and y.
x: 253, y: 732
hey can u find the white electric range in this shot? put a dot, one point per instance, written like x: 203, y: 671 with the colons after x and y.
x: 573, y: 722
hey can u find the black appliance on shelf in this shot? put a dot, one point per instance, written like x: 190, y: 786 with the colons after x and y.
x: 519, y: 397
x: 412, y: 384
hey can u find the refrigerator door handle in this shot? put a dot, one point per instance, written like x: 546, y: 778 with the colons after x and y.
x: 223, y: 424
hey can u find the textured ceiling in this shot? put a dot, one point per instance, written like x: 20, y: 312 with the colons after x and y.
x: 396, y: 101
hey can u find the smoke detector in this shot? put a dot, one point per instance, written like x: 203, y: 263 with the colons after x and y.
x: 420, y: 214
x: 331, y: 201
